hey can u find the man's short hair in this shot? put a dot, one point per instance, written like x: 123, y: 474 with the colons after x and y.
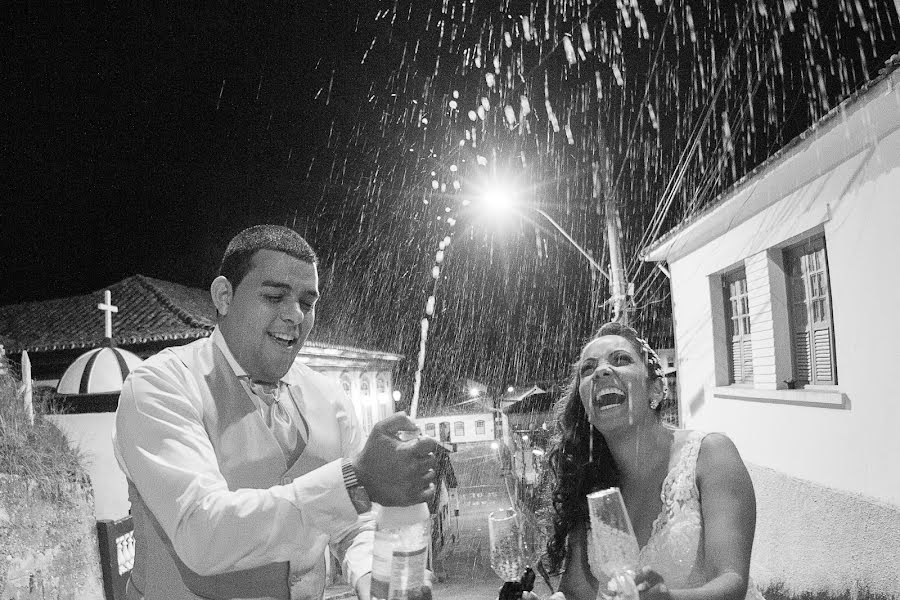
x: 238, y: 255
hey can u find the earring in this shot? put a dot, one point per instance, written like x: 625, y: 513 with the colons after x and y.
x: 655, y: 401
x: 590, y: 443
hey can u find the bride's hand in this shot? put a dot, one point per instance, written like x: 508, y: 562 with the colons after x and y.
x: 650, y: 585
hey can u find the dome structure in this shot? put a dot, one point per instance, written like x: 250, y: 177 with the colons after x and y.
x: 98, y: 371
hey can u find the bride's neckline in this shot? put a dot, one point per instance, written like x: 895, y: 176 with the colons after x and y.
x: 677, y: 455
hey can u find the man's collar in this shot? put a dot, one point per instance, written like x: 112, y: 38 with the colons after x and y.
x: 219, y: 340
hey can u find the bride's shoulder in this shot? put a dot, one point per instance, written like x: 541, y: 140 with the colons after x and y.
x: 716, y: 443
x: 719, y: 457
x: 708, y: 442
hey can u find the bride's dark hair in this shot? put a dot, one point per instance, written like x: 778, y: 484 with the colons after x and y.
x: 575, y: 473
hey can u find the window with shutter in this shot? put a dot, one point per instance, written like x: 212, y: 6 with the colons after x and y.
x: 812, y: 331
x: 737, y: 309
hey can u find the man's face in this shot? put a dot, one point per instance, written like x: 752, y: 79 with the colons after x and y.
x: 271, y: 312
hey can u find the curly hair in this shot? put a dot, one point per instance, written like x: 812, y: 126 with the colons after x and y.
x: 579, y: 464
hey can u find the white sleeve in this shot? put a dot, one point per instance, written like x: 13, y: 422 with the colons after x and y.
x: 163, y: 448
x: 353, y: 545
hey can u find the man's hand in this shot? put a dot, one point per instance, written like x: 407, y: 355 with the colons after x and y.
x: 394, y: 472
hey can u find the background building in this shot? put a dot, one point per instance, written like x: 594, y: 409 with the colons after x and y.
x: 457, y: 426
x: 783, y: 294
x: 153, y: 314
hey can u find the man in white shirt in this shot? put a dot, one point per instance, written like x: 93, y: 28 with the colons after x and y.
x: 242, y: 463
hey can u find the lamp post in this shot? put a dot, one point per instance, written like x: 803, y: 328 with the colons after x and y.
x: 619, y: 294
x: 618, y: 287
x: 498, y: 197
x: 524, y: 440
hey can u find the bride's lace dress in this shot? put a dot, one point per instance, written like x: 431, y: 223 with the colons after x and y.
x: 675, y: 549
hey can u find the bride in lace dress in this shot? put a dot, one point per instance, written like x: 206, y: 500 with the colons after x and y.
x: 689, y: 495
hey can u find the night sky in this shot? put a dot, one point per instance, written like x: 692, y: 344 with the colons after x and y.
x: 127, y: 154
x: 140, y: 140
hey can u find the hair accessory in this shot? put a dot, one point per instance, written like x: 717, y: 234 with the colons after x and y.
x: 655, y: 366
x: 652, y: 357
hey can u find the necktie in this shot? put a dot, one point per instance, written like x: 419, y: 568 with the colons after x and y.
x: 278, y: 418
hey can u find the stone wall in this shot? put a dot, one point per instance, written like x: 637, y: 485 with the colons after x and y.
x: 811, y: 538
x: 48, y: 542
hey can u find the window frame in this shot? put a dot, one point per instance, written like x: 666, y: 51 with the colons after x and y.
x: 817, y: 313
x: 346, y: 384
x: 459, y: 428
x: 742, y: 339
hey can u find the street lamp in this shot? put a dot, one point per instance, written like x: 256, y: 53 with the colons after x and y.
x: 497, y: 197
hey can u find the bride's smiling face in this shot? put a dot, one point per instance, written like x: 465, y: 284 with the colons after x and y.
x: 613, y: 383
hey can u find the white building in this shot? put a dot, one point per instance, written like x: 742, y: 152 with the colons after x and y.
x: 783, y: 298
x: 365, y: 375
x: 458, y: 428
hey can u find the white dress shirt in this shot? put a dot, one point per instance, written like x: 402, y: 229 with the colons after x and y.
x: 162, y: 446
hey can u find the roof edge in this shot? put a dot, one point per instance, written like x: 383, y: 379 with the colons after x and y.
x: 178, y: 311
x: 890, y: 65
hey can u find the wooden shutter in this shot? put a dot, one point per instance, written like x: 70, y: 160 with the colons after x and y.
x: 737, y: 305
x: 812, y: 329
x: 801, y: 356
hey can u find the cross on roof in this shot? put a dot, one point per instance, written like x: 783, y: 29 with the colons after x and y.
x: 107, y: 307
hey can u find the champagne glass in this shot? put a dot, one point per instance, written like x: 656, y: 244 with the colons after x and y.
x: 508, y: 554
x: 615, y: 545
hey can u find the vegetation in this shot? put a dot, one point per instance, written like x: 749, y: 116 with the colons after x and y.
x: 41, y: 453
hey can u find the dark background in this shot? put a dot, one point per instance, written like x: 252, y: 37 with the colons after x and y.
x: 139, y: 140
x: 126, y: 153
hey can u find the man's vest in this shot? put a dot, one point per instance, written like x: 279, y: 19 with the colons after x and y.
x: 248, y: 457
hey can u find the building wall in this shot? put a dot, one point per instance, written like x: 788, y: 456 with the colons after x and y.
x: 469, y: 421
x: 813, y: 538
x: 92, y: 434
x: 371, y: 392
x: 442, y: 529
x: 843, y: 182
x: 666, y: 357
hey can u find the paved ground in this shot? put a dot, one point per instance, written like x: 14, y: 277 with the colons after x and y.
x: 465, y: 573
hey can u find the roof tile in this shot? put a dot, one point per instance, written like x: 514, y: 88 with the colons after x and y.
x: 150, y: 310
